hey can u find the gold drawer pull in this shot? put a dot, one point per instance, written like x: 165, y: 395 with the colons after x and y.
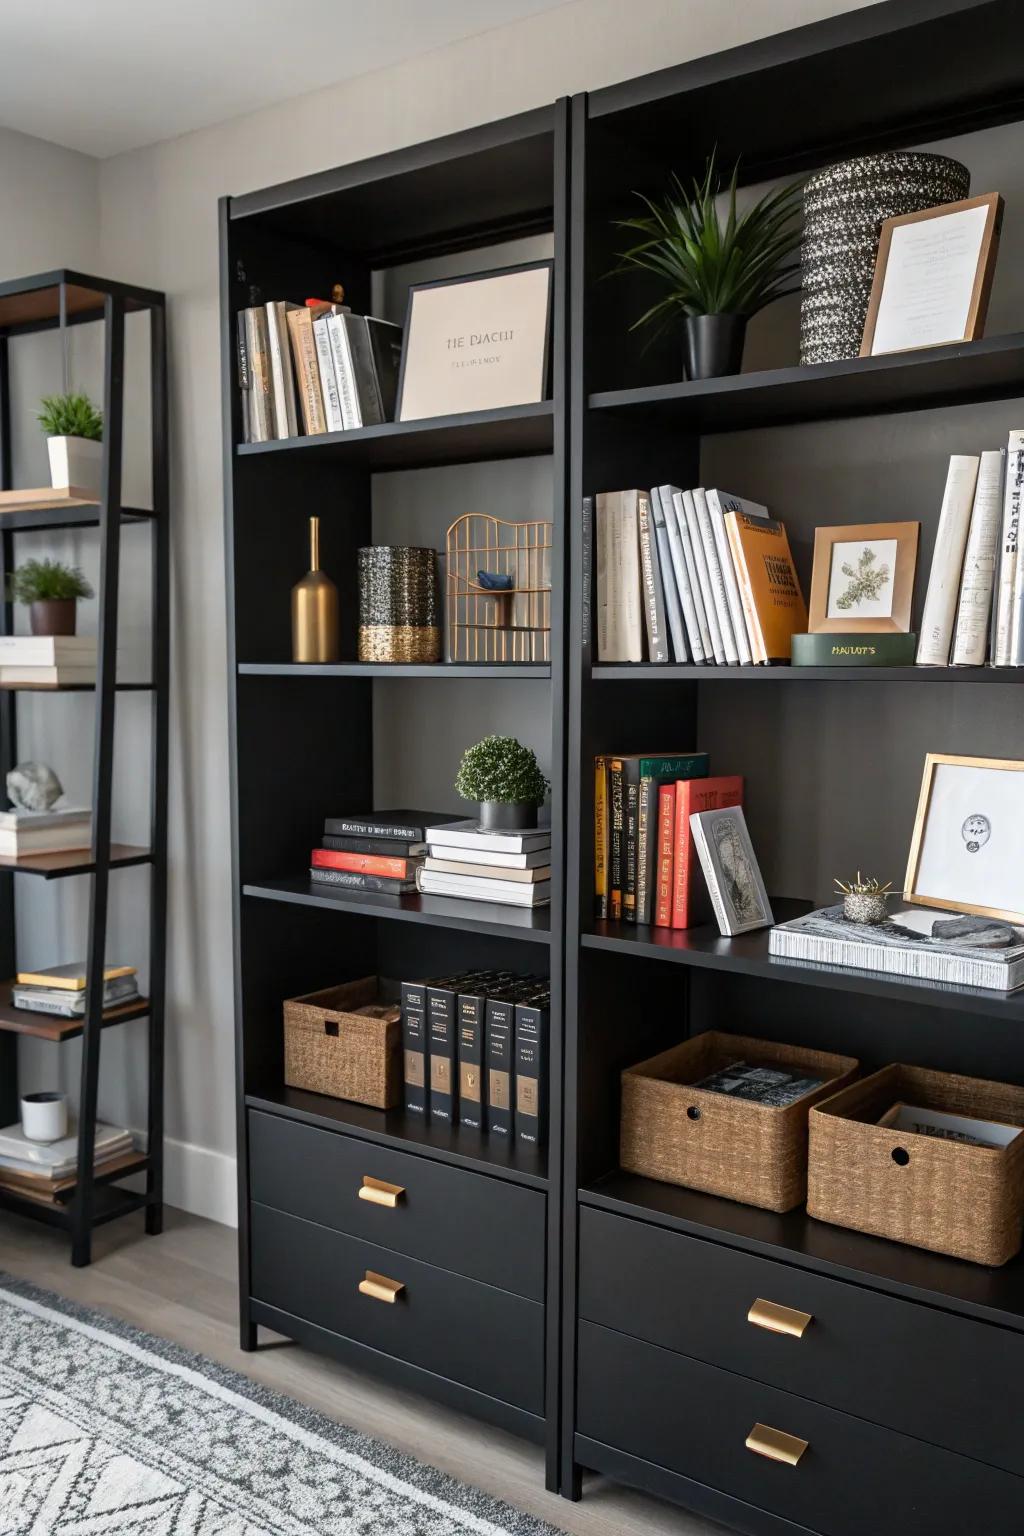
x: 768, y: 1314
x: 775, y: 1444
x: 380, y: 1287
x: 379, y: 1193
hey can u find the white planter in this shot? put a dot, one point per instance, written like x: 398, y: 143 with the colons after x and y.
x: 75, y: 463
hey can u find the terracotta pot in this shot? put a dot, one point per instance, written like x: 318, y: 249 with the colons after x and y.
x: 54, y: 616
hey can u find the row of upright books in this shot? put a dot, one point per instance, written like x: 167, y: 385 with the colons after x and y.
x: 692, y: 576
x: 475, y: 1052
x: 306, y: 369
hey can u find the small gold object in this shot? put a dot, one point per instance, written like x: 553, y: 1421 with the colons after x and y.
x: 507, y: 623
x: 862, y: 887
x: 380, y: 1193
x: 779, y: 1319
x: 315, y: 609
x: 775, y: 1444
x: 380, y: 1288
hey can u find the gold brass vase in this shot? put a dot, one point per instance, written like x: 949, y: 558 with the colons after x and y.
x: 315, y: 609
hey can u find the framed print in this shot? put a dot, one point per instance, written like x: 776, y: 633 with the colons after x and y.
x: 863, y: 578
x: 476, y: 343
x: 730, y: 868
x: 933, y: 273
x: 968, y: 849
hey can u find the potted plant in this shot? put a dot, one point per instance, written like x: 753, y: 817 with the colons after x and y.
x: 74, y: 440
x: 718, y: 271
x: 50, y: 591
x: 503, y: 777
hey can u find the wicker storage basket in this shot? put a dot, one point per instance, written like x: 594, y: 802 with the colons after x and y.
x: 705, y: 1140
x: 944, y: 1195
x: 330, y: 1049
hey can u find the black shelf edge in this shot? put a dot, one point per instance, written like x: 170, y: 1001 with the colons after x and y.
x: 540, y: 671
x: 84, y: 515
x: 990, y: 369
x: 747, y: 954
x: 73, y: 687
x: 993, y: 1295
x: 48, y: 866
x: 645, y: 671
x: 409, y: 1133
x: 513, y: 431
x: 438, y: 911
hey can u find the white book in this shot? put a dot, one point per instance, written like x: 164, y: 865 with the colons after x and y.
x: 700, y: 558
x: 652, y: 591
x: 47, y: 650
x: 46, y: 677
x: 488, y: 871
x: 64, y: 816
x: 666, y: 496
x: 56, y: 1159
x: 344, y: 372
x: 1006, y: 571
x: 328, y: 376
x: 719, y: 503
x: 1014, y: 494
x: 974, y: 609
x: 601, y: 549
x: 673, y: 606
x: 947, y: 561
x: 468, y: 857
x: 629, y: 567
x: 716, y: 576
x: 478, y: 888
x: 467, y: 834
x: 285, y: 418
x: 682, y: 514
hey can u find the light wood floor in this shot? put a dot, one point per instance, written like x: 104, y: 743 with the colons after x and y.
x: 182, y: 1286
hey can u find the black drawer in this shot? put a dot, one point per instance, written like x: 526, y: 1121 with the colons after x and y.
x: 854, y: 1479
x: 948, y: 1380
x: 471, y: 1333
x: 485, y: 1228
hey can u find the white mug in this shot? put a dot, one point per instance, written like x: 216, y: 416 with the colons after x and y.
x: 44, y: 1116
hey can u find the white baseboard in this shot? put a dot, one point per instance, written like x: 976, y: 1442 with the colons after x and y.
x: 200, y: 1181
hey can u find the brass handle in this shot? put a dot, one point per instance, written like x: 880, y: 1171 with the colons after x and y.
x: 775, y: 1444
x: 380, y: 1287
x: 379, y: 1193
x: 768, y: 1314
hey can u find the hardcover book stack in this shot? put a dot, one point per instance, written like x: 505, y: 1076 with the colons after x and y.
x: 306, y: 369
x: 475, y: 1053
x: 61, y: 989
x: 377, y: 851
x: 47, y: 661
x: 694, y: 576
x: 46, y: 1171
x: 25, y: 833
x: 513, y: 868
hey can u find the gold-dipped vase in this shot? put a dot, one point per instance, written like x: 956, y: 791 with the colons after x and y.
x: 315, y: 609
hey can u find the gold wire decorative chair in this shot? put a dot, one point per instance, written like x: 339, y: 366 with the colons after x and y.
x: 510, y: 621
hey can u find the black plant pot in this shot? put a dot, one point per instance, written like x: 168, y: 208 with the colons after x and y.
x: 713, y: 345
x: 507, y: 816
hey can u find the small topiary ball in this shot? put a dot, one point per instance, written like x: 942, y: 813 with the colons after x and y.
x: 502, y: 769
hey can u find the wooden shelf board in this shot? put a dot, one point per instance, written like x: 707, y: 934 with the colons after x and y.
x: 673, y: 672
x: 437, y: 911
x: 72, y: 687
x: 990, y: 369
x: 541, y: 671
x: 994, y: 1295
x: 63, y: 1190
x: 409, y: 1133
x: 36, y: 509
x: 514, y: 431
x: 747, y: 954
x: 47, y: 1026
x: 77, y: 861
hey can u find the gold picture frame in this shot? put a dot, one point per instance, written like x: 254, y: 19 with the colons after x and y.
x: 975, y: 832
x: 826, y: 614
x: 918, y: 311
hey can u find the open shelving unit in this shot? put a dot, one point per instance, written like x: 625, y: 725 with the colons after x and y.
x: 53, y: 301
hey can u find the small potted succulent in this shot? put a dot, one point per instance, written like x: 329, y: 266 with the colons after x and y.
x: 503, y: 777
x: 51, y: 592
x: 74, y: 440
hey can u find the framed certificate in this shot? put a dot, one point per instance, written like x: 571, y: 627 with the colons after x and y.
x: 967, y: 853
x: 932, y: 277
x: 476, y: 343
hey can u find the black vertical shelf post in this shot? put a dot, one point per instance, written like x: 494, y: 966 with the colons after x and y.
x: 8, y: 748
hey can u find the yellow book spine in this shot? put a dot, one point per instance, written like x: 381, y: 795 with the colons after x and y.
x: 600, y: 837
x: 69, y: 983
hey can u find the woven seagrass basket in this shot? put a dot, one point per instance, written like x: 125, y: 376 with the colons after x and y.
x: 944, y: 1195
x: 749, y: 1152
x: 330, y: 1049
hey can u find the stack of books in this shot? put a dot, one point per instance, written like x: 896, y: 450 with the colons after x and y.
x: 695, y: 576
x: 61, y: 989
x: 378, y: 851
x: 44, y: 1171
x: 509, y: 867
x: 51, y: 661
x: 24, y: 833
x: 305, y: 369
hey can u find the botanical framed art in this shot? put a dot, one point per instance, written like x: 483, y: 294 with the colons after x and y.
x: 863, y: 578
x: 933, y: 273
x: 730, y: 868
x: 967, y: 853
x: 476, y: 343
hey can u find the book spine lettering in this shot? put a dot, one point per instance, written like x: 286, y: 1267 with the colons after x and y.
x: 653, y: 591
x: 244, y: 377
x: 279, y: 357
x: 500, y: 1034
x: 442, y: 1040
x: 600, y: 837
x: 471, y: 1017
x: 603, y: 552
x: 531, y: 1058
x: 350, y: 413
x: 363, y: 863
x: 1014, y: 494
x: 728, y: 567
x: 755, y: 634
x: 341, y: 826
x: 631, y: 815
x: 646, y: 849
x: 616, y: 840
x: 974, y: 609
x: 328, y: 376
x: 587, y: 599
x: 670, y: 589
x: 629, y: 576
x: 713, y: 639
x: 392, y: 847
x: 351, y: 881
x: 666, y: 839
x: 947, y: 562
x: 307, y: 371
x: 716, y: 579
x: 261, y: 399
x: 414, y: 1045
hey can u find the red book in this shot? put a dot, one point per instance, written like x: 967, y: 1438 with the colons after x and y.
x: 666, y: 841
x: 695, y: 795
x: 365, y: 863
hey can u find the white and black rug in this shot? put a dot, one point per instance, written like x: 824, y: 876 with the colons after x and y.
x: 105, y: 1429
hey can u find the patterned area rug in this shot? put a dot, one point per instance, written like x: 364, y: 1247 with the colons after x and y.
x: 105, y: 1429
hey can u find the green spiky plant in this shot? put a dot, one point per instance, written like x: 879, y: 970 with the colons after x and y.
x: 502, y: 769
x: 47, y: 581
x: 70, y: 416
x: 712, y: 265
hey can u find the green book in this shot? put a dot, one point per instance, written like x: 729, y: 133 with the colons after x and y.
x: 637, y: 845
x: 844, y: 650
